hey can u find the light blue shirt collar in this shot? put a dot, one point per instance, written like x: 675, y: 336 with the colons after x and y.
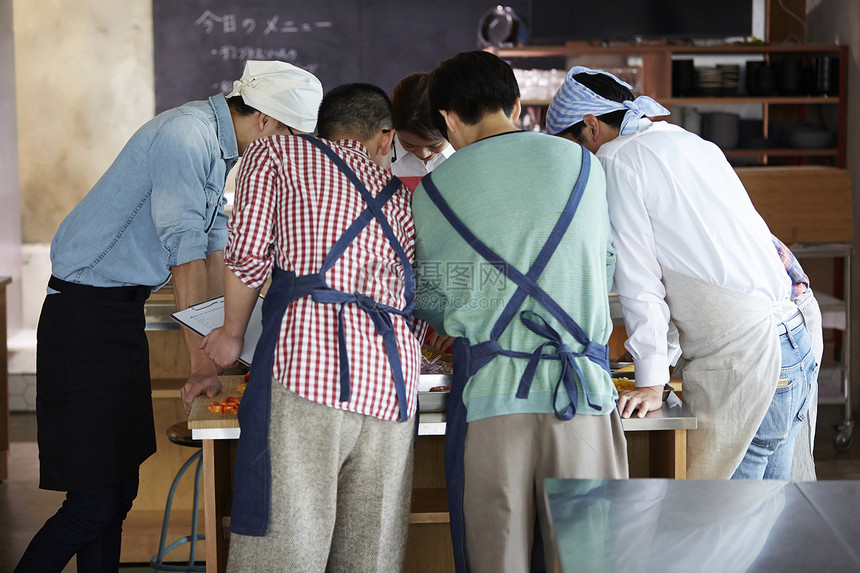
x: 226, y: 131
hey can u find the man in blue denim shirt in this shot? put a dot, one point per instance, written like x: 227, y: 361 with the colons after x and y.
x: 158, y: 210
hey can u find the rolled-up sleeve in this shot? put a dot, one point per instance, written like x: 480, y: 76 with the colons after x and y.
x: 249, y: 253
x: 218, y: 232
x: 180, y: 161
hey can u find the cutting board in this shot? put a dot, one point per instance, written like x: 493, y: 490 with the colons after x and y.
x: 201, y: 417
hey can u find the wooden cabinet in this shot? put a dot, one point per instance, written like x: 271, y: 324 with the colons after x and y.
x: 814, y: 103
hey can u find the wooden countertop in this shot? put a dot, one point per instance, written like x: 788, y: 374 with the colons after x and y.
x: 201, y: 418
x: 206, y: 425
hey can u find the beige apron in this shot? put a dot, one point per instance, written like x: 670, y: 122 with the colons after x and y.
x: 732, y: 359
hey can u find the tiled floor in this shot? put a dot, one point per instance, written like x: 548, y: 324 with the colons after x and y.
x: 24, y: 507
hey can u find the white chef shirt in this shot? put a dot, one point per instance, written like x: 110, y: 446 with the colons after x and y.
x: 408, y: 164
x: 674, y: 201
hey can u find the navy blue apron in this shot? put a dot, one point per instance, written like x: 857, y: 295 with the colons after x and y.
x: 470, y: 358
x: 252, y: 479
x: 93, y: 392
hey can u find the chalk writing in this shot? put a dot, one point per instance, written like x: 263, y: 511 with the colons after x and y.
x: 226, y: 23
x: 208, y: 20
x: 231, y: 52
x: 229, y: 23
x: 200, y: 46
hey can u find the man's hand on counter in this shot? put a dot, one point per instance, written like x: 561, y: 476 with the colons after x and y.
x: 640, y: 400
x: 197, y: 385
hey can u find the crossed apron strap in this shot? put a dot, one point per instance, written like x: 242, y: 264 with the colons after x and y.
x: 251, y: 501
x: 527, y: 286
x: 468, y: 359
x: 375, y: 207
x: 316, y: 286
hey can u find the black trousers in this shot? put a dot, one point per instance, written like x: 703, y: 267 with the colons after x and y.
x: 89, y: 525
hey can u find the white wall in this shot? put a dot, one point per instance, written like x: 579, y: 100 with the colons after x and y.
x: 10, y: 221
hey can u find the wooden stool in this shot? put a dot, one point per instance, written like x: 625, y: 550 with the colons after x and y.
x: 181, y: 435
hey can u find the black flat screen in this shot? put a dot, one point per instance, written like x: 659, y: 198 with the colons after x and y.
x: 558, y: 21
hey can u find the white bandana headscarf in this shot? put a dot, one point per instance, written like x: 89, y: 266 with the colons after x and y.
x: 287, y: 93
x: 573, y: 101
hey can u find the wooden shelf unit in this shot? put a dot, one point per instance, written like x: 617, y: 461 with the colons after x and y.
x: 656, y: 74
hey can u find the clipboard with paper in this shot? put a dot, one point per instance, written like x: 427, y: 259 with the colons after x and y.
x: 206, y: 316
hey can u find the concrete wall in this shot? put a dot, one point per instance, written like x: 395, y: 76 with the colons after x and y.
x: 85, y: 83
x: 82, y: 76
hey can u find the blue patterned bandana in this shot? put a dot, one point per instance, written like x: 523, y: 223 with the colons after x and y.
x: 573, y: 101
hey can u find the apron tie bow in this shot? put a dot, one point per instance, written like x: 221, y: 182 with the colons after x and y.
x: 380, y: 315
x: 570, y: 371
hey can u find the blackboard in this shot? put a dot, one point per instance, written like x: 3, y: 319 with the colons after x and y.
x: 201, y: 45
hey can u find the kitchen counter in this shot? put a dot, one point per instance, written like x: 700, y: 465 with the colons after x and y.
x: 672, y: 416
x: 656, y: 447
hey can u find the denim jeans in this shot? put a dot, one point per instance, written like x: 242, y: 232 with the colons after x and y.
x: 771, y: 452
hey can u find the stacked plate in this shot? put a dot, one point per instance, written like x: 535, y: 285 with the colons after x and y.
x: 729, y: 75
x: 721, y: 128
x: 709, y: 81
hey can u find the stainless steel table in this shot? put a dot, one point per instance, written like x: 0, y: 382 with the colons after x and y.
x: 705, y: 526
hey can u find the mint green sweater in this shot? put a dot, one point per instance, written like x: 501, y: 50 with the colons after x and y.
x: 510, y: 190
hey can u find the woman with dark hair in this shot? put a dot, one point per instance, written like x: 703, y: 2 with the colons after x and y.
x: 423, y: 144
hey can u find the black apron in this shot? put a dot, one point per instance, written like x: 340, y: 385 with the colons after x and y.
x: 469, y: 358
x: 252, y: 477
x: 93, y: 393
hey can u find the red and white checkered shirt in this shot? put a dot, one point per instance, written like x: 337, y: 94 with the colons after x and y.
x: 292, y: 203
